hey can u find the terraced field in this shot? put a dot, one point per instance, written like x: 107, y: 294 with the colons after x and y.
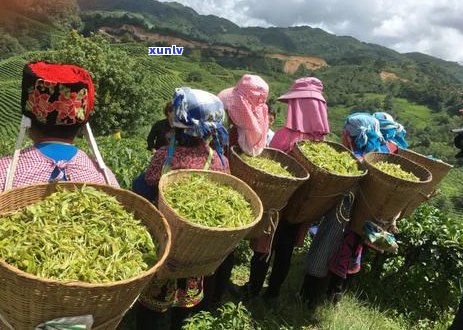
x: 10, y: 93
x: 11, y: 68
x: 10, y: 114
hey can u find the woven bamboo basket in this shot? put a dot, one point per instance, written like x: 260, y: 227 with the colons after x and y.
x: 199, y: 250
x: 27, y: 300
x: 382, y: 197
x: 321, y: 192
x: 438, y: 169
x: 274, y: 191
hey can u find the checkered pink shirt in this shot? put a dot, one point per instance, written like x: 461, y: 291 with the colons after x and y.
x: 34, y: 167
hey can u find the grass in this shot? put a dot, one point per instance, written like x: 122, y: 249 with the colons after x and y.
x: 407, y: 113
x: 352, y: 314
x: 417, y: 115
x: 289, y: 313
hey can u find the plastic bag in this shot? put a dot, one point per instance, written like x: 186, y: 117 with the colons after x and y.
x: 83, y: 322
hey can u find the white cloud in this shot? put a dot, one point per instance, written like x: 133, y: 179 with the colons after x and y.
x: 434, y: 27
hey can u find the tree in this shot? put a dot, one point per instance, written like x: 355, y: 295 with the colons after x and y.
x: 387, y: 103
x: 194, y: 76
x: 9, y: 45
x: 123, y: 96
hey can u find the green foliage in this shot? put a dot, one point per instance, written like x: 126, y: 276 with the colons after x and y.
x: 388, y: 104
x: 34, y: 25
x: 9, y: 45
x: 126, y: 157
x: 123, y: 94
x: 243, y: 253
x: 194, y: 76
x: 353, y: 314
x: 230, y: 316
x: 422, y: 280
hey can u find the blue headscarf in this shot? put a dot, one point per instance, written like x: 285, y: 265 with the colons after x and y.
x: 364, y: 131
x: 391, y: 130
x: 200, y: 114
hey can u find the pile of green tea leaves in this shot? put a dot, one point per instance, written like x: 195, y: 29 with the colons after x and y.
x: 395, y: 170
x: 267, y: 165
x: 325, y: 156
x: 76, y: 235
x: 208, y: 203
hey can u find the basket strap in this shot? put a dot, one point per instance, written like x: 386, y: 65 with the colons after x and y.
x: 170, y: 155
x: 25, y: 124
x: 96, y: 152
x: 274, y: 215
x: 339, y: 214
x: 210, y: 156
x: 4, y: 321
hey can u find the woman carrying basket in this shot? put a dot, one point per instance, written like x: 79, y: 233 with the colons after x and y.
x: 247, y: 110
x: 393, y: 132
x: 307, y: 119
x: 335, y: 252
x: 197, y: 121
x: 58, y: 100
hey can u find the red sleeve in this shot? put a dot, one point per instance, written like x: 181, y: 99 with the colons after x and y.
x: 153, y: 172
x: 393, y: 148
x: 216, y: 164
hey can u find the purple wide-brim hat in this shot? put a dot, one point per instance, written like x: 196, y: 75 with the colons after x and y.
x: 302, y: 88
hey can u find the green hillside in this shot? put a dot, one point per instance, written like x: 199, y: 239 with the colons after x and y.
x: 10, y: 94
x: 170, y: 72
x: 423, y: 92
x: 451, y: 69
x: 34, y: 25
x: 176, y: 19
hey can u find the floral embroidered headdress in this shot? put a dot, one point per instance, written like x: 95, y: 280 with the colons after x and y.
x: 57, y: 94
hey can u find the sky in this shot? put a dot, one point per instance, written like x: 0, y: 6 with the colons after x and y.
x: 433, y: 27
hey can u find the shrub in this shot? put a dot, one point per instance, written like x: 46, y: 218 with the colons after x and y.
x: 422, y: 280
x: 123, y: 91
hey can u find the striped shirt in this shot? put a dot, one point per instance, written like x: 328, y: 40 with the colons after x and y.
x: 327, y: 240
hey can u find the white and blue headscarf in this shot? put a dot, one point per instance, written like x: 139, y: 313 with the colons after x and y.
x: 365, y: 133
x: 200, y: 114
x: 391, y: 130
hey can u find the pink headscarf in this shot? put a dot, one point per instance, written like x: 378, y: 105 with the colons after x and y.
x: 247, y: 108
x: 307, y: 114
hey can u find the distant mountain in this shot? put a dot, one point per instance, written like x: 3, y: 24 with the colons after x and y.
x: 37, y: 24
x: 34, y: 24
x: 181, y: 21
x: 452, y: 69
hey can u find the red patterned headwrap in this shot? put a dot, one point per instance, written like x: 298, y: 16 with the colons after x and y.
x: 57, y: 94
